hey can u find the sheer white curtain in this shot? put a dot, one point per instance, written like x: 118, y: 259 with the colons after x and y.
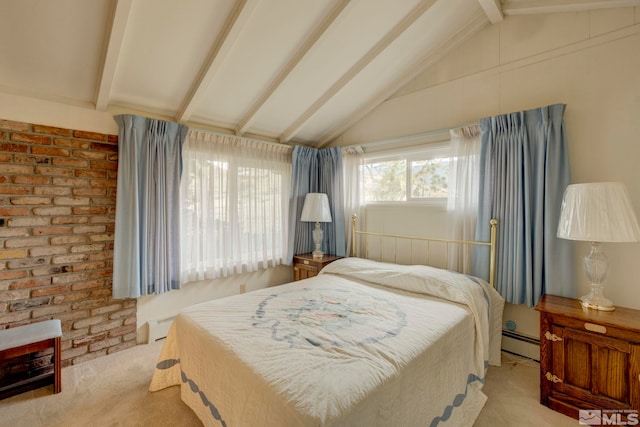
x: 352, y: 164
x: 234, y: 205
x: 462, y: 203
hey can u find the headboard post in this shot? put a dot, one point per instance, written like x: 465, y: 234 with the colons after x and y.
x: 353, y: 234
x: 492, y: 261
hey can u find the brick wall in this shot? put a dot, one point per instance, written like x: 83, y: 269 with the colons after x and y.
x: 57, y: 200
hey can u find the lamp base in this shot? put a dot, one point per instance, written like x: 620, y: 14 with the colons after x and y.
x: 596, y: 300
x: 318, y: 234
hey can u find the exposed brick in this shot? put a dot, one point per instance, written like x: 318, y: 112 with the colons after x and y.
x: 24, y: 243
x: 101, y: 256
x: 31, y: 179
x: 29, y: 304
x: 121, y: 331
x: 52, y: 191
x: 51, y: 269
x: 113, y: 139
x: 90, y: 339
x: 70, y: 220
x: 91, y: 173
x: 14, y: 126
x: 65, y: 240
x: 32, y: 139
x: 89, y: 192
x: 50, y: 151
x: 89, y: 135
x: 103, y: 327
x: 89, y: 266
x: 14, y: 211
x: 68, y: 259
x: 130, y: 321
x: 103, y: 183
x: 90, y: 210
x: 83, y: 323
x: 122, y: 314
x: 15, y: 169
x: 47, y: 231
x: 72, y: 182
x: 44, y: 251
x: 50, y: 290
x: 13, y: 295
x: 71, y: 143
x: 88, y: 303
x: 26, y: 262
x: 15, y: 318
x: 100, y: 164
x: 102, y: 219
x: 51, y: 130
x: 30, y: 200
x: 28, y: 222
x: 14, y: 189
x: 30, y: 283
x: 13, y: 232
x: 57, y: 210
x: 104, y: 147
x: 31, y: 160
x: 90, y: 155
x: 80, y: 229
x: 14, y: 148
x: 49, y: 310
x: 74, y: 352
x: 87, y: 285
x: 50, y: 170
x: 13, y: 254
x: 70, y: 163
x: 12, y: 274
x: 87, y: 248
x: 67, y: 201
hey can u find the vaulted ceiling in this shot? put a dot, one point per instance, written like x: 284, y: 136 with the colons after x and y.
x: 288, y: 70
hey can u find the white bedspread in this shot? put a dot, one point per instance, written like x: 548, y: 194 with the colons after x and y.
x: 363, y: 344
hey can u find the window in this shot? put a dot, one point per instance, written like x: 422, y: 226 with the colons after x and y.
x: 234, y: 196
x: 410, y: 176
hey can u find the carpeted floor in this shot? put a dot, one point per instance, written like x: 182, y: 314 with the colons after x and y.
x: 112, y: 391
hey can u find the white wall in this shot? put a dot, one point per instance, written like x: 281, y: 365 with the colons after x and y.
x: 588, y: 60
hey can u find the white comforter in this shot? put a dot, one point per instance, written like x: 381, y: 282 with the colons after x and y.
x: 364, y: 343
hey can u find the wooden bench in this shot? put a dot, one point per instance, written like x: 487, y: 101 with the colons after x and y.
x: 27, y: 339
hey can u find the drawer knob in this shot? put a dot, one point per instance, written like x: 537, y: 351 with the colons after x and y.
x: 306, y: 262
x: 553, y: 378
x: 552, y: 337
x: 595, y: 328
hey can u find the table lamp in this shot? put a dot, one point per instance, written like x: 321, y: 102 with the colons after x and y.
x: 597, y: 212
x: 316, y: 209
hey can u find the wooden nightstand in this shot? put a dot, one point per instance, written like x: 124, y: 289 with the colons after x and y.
x: 305, y: 265
x: 589, y: 359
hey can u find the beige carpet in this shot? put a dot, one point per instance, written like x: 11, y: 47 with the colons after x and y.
x: 112, y: 391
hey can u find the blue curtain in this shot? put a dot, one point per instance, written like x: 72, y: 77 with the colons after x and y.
x: 147, y: 243
x: 316, y: 171
x: 524, y: 169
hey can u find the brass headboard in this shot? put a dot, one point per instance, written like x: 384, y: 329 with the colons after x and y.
x: 492, y: 243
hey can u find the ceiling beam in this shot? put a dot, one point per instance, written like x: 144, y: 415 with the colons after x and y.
x: 376, y: 50
x: 121, y: 14
x: 493, y: 10
x: 421, y: 65
x: 222, y: 47
x: 328, y: 20
x: 557, y: 6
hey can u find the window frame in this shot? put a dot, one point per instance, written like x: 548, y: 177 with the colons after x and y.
x: 430, y: 151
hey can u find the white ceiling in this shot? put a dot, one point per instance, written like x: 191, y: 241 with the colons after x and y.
x: 299, y: 71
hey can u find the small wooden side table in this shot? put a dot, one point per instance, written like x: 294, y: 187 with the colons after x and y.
x: 305, y: 265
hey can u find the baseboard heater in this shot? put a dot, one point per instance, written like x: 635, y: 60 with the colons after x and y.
x: 158, y: 329
x: 521, y: 344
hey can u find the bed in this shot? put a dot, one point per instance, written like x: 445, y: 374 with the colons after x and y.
x: 364, y: 343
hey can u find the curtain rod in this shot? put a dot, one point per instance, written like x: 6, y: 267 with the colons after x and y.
x: 214, y: 132
x: 409, y: 137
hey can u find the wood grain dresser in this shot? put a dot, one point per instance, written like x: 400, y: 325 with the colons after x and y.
x: 589, y: 359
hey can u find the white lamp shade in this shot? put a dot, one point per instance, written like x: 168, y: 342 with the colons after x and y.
x: 316, y: 208
x: 598, y: 212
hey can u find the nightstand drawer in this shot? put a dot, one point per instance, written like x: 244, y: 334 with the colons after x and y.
x: 306, y: 266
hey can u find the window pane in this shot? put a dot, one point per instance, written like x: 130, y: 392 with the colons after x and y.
x: 385, y: 181
x: 429, y: 178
